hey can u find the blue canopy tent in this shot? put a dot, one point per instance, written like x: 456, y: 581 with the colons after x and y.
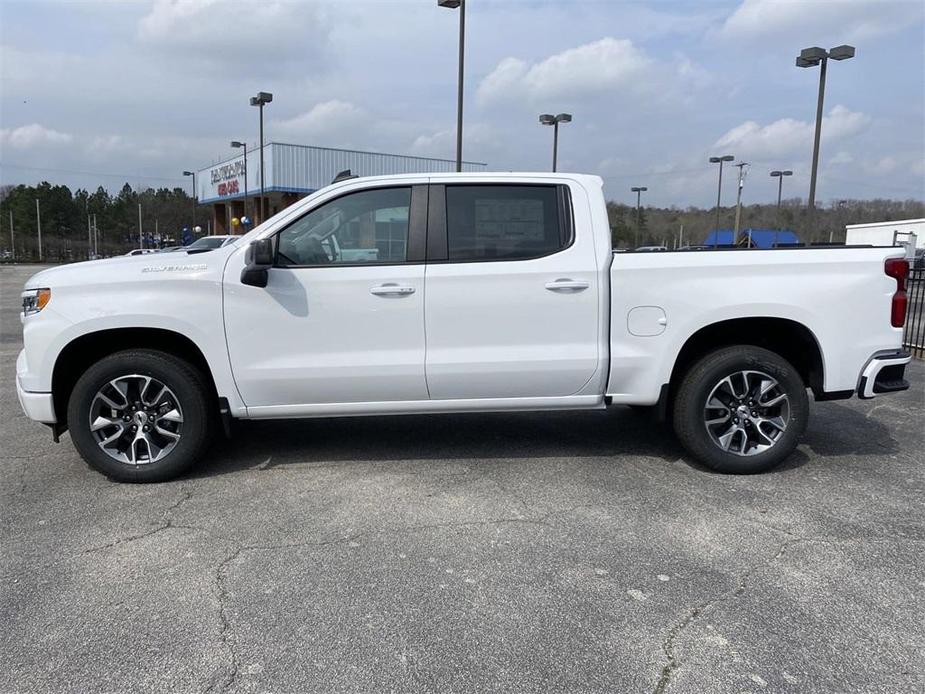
x: 761, y: 238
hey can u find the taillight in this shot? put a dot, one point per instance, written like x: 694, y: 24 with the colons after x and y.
x: 898, y: 269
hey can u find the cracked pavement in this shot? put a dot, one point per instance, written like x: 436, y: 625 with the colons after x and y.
x: 524, y: 553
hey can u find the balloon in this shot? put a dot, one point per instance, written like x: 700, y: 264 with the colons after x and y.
x: 197, y: 229
x: 235, y: 221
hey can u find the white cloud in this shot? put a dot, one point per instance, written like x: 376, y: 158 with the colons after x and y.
x: 32, y: 136
x: 442, y: 143
x: 334, y: 121
x: 230, y: 31
x: 593, y: 67
x: 841, y: 158
x: 848, y: 20
x: 788, y: 135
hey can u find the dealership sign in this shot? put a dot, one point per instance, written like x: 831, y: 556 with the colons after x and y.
x: 225, y: 178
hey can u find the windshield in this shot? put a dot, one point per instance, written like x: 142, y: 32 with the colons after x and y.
x: 209, y: 242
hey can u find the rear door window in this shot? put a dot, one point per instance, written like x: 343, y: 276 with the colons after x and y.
x: 503, y: 222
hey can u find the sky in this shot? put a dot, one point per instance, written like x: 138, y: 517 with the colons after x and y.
x: 100, y: 93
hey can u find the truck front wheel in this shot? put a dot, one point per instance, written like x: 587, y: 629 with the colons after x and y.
x: 741, y: 410
x: 140, y: 416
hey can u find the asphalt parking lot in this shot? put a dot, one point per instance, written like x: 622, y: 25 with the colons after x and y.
x: 524, y: 553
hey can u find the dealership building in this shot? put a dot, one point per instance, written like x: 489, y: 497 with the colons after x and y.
x: 232, y: 187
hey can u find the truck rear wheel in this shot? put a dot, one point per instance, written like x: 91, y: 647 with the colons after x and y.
x: 741, y: 410
x: 140, y: 416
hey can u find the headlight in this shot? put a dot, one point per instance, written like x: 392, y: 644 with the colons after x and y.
x: 34, y: 300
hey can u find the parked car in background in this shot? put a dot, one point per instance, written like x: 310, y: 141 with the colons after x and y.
x: 652, y: 248
x: 486, y: 292
x: 141, y: 251
x: 208, y: 243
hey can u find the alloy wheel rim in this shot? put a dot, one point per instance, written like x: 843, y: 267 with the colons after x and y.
x: 747, y: 413
x: 136, y: 419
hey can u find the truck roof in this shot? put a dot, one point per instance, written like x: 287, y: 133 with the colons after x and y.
x: 479, y: 176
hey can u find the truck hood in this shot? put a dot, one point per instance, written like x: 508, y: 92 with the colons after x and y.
x: 124, y: 268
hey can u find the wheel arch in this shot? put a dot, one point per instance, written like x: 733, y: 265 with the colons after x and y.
x: 788, y: 338
x: 87, y: 349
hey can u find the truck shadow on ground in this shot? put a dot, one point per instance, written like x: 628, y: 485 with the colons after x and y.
x: 834, y: 430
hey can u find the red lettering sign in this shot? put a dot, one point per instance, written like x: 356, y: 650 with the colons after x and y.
x: 229, y: 188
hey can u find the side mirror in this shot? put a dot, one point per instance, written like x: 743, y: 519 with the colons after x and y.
x: 257, y: 260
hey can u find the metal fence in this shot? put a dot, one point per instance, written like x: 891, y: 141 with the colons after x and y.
x: 914, y: 333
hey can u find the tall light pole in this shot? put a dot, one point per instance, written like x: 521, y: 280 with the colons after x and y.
x: 639, y: 191
x: 719, y: 187
x: 12, y: 237
x: 195, y: 195
x: 261, y: 100
x: 236, y: 145
x: 141, y: 238
x: 549, y: 119
x: 742, y: 172
x: 38, y: 225
x: 461, y: 6
x: 779, y: 175
x: 810, y: 57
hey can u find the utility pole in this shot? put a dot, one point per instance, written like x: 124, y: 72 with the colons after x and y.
x: 639, y: 191
x: 742, y: 172
x: 38, y: 225
x: 89, y: 238
x: 141, y: 239
x: 719, y: 190
x: 12, y: 239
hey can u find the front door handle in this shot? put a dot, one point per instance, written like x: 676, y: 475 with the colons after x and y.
x: 392, y: 290
x: 567, y: 285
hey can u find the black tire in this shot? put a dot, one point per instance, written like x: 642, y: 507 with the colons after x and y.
x: 187, y: 385
x: 698, y: 384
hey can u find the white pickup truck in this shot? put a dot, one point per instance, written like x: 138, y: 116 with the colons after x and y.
x: 453, y: 293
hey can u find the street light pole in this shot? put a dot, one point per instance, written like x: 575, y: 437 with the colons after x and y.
x: 461, y: 6
x: 195, y: 194
x: 38, y: 225
x: 810, y: 57
x: 261, y: 100
x: 141, y: 238
x: 639, y: 191
x: 779, y: 175
x: 12, y: 237
x: 719, y: 189
x: 549, y: 119
x: 742, y: 172
x: 236, y: 144
x: 555, y: 145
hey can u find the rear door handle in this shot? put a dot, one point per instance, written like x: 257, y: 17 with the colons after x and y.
x: 567, y: 285
x: 392, y: 290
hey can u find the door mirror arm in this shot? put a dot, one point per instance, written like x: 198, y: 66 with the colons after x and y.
x: 258, y: 259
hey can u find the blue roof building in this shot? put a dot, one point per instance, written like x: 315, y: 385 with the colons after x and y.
x: 761, y: 238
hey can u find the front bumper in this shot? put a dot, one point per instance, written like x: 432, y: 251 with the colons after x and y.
x: 37, y: 406
x: 884, y: 374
